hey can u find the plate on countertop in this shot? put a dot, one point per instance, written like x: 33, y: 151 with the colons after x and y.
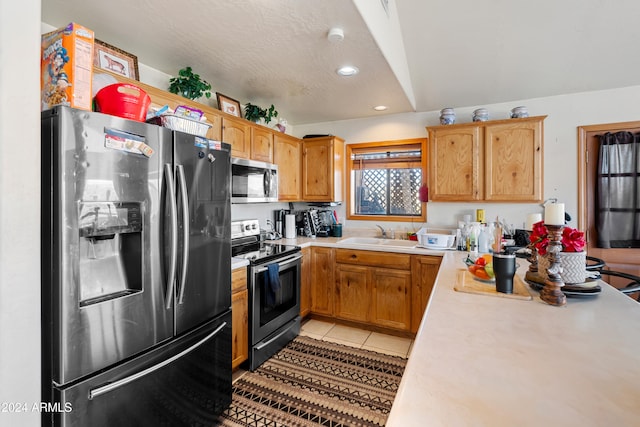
x: 587, y: 289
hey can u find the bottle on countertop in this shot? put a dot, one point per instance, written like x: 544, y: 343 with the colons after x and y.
x: 474, y: 232
x: 484, y: 239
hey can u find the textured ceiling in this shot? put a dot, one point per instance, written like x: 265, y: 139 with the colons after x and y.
x: 463, y: 53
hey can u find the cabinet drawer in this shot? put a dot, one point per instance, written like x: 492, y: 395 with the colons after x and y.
x: 238, y: 279
x: 378, y: 259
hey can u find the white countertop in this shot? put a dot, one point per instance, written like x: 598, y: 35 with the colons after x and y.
x: 480, y: 360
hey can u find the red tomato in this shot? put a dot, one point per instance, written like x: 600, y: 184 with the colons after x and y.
x: 481, y: 261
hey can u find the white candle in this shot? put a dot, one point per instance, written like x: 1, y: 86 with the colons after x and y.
x: 554, y: 214
x: 532, y: 219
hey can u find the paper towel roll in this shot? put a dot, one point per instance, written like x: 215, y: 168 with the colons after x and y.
x: 290, y: 227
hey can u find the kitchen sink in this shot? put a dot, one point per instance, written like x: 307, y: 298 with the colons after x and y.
x: 375, y: 241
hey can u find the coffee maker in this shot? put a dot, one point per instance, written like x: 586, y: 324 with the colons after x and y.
x: 278, y: 220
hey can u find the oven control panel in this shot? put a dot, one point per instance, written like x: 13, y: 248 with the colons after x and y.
x: 245, y: 227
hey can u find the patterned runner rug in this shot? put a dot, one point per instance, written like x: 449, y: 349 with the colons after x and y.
x: 311, y: 382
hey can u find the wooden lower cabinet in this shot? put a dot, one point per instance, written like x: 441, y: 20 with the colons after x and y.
x: 373, y: 287
x: 305, y: 283
x: 424, y: 270
x: 239, y: 317
x: 386, y: 290
x: 391, y: 298
x: 352, y: 292
x: 322, y: 285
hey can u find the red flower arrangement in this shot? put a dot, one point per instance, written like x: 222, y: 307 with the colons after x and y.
x: 572, y: 239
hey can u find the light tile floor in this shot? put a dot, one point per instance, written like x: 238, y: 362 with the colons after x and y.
x: 354, y: 337
x: 358, y: 338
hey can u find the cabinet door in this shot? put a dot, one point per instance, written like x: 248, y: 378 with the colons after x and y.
x: 391, y: 291
x: 239, y: 327
x: 424, y: 270
x: 513, y: 161
x: 237, y: 132
x: 261, y: 144
x: 353, y: 293
x: 322, y: 169
x: 305, y: 282
x: 287, y: 153
x: 455, y: 159
x: 322, y: 285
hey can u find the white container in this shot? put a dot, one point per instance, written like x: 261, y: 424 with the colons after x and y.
x: 290, y: 227
x: 435, y: 240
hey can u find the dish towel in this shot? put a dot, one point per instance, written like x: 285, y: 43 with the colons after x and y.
x: 272, y: 283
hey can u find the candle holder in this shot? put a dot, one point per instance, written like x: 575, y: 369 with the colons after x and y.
x: 552, y: 293
x: 533, y: 257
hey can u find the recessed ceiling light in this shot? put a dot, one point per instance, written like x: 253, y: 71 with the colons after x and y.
x: 380, y: 107
x: 347, y: 71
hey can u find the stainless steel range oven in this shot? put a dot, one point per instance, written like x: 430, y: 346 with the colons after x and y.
x: 274, y: 290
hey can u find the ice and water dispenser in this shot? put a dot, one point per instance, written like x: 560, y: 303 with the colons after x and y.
x: 111, y: 258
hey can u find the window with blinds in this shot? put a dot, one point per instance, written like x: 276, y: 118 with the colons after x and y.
x: 384, y: 180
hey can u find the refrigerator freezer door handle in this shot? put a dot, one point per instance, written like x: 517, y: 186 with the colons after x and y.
x: 171, y: 199
x: 95, y: 392
x: 184, y: 198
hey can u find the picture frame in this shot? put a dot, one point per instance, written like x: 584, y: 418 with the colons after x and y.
x: 117, y: 61
x: 228, y: 105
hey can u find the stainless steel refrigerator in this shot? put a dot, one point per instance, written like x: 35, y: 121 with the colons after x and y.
x: 136, y: 283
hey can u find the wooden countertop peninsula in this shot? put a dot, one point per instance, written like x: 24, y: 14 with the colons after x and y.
x: 479, y: 360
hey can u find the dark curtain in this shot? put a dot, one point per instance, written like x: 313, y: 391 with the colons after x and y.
x: 618, y: 191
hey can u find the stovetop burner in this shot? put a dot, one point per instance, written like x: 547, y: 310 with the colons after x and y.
x: 259, y: 253
x: 246, y: 244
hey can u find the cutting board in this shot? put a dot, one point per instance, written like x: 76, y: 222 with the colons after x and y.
x: 466, y: 283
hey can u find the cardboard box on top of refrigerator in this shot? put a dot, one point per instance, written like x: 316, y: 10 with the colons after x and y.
x: 67, y: 67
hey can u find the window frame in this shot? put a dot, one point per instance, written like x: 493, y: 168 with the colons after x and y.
x: 393, y: 144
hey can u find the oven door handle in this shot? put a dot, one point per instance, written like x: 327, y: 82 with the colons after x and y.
x: 262, y: 345
x: 285, y: 262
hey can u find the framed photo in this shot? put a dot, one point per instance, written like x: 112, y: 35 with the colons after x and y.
x: 228, y: 105
x: 110, y: 58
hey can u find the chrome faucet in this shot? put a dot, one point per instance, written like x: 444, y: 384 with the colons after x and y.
x: 384, y: 233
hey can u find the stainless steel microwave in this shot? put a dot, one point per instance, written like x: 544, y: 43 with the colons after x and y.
x: 253, y: 181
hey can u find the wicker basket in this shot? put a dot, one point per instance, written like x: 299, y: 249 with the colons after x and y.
x: 182, y: 124
x: 573, y: 267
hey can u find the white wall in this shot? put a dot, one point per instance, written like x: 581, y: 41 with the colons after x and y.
x: 565, y: 114
x: 20, y: 210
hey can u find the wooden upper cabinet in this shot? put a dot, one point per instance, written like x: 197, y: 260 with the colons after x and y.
x: 261, y: 144
x: 454, y: 163
x: 513, y: 165
x: 322, y: 169
x: 287, y: 154
x: 497, y: 160
x: 237, y: 132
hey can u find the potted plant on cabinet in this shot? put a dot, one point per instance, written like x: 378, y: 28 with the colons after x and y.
x: 189, y: 85
x: 254, y: 113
